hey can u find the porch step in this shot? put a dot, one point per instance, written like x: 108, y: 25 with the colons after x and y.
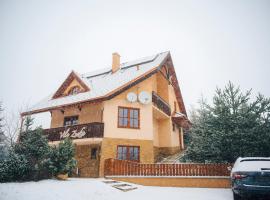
x: 125, y: 187
x: 120, y: 185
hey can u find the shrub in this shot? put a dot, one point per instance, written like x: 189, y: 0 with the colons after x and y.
x: 34, y: 147
x: 61, y: 159
x: 33, y: 159
x: 14, y: 168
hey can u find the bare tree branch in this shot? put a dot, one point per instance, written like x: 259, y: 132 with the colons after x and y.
x: 12, y: 125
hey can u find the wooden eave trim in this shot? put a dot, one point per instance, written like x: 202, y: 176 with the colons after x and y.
x: 178, y: 121
x: 176, y: 87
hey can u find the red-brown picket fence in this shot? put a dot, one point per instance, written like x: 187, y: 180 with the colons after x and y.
x: 114, y: 167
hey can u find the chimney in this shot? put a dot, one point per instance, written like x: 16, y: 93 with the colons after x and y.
x: 115, y: 62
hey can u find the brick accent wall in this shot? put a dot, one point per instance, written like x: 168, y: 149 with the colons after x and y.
x: 109, y: 150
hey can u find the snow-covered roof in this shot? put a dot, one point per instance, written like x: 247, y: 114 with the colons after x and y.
x: 179, y: 114
x: 251, y: 164
x: 103, y: 82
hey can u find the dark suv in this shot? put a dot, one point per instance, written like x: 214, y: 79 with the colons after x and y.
x: 250, y: 176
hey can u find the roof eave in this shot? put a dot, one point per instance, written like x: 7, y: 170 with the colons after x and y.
x: 102, y: 98
x: 118, y: 90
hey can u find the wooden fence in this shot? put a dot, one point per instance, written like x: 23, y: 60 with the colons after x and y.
x: 115, y: 167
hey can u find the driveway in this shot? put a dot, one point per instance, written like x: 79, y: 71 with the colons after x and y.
x: 96, y: 189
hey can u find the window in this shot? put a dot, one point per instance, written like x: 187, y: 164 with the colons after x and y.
x: 94, y: 153
x: 69, y: 121
x: 74, y: 90
x: 128, y: 153
x: 128, y: 117
x: 173, y: 126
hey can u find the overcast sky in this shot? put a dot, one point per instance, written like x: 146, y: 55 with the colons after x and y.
x: 211, y: 42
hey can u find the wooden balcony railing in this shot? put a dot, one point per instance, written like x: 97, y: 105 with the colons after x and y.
x: 90, y: 130
x: 161, y: 104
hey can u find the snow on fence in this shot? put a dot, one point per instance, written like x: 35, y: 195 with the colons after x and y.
x: 114, y: 167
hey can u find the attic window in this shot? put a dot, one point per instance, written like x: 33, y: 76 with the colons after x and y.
x: 74, y: 90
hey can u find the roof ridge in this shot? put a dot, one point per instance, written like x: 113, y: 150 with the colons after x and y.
x: 124, y: 65
x: 104, y: 86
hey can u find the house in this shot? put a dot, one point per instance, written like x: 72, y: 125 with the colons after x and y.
x: 130, y: 111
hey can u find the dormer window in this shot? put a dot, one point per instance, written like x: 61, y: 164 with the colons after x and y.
x: 74, y: 90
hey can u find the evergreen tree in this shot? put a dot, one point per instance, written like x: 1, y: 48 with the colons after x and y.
x: 61, y: 159
x: 232, y: 126
x: 2, y: 136
x: 14, y: 168
x: 34, y: 146
x: 3, y: 146
x: 29, y: 121
x: 31, y: 158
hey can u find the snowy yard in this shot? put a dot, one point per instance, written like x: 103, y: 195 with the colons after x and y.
x: 95, y: 189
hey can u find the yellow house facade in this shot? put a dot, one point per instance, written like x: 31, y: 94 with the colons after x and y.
x: 131, y: 111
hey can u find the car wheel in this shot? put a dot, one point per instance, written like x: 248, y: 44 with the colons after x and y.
x: 236, y: 197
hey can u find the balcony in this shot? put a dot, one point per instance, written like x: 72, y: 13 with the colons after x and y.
x: 80, y: 131
x: 161, y: 104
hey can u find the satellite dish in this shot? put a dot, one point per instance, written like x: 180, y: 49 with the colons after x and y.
x: 145, y: 97
x: 131, y: 97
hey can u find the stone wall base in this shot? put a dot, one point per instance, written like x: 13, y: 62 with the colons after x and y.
x: 201, y: 182
x: 87, y: 167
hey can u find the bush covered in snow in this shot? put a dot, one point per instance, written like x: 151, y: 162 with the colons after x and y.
x: 3, y: 146
x: 61, y: 158
x: 14, y: 167
x: 34, y: 147
x: 33, y: 159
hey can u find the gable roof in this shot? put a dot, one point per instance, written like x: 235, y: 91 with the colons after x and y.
x: 103, y: 84
x: 66, y: 83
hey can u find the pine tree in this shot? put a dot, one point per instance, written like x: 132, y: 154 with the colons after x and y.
x: 61, y: 158
x: 232, y: 126
x: 33, y: 159
x: 14, y: 168
x: 29, y: 121
x: 3, y: 146
x: 34, y: 146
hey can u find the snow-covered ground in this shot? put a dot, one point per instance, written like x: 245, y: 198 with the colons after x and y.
x: 95, y: 189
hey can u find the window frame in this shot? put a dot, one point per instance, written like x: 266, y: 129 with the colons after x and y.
x: 128, y: 117
x: 93, y: 156
x: 72, y: 116
x: 128, y: 153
